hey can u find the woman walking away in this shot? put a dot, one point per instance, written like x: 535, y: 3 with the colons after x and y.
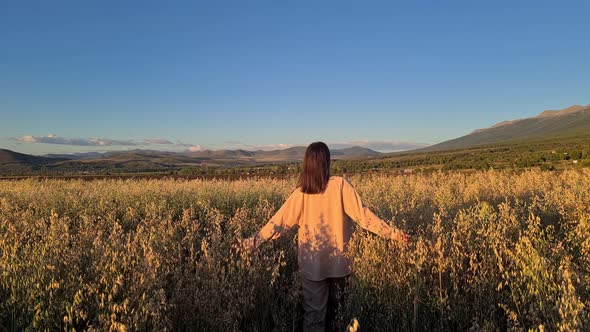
x: 322, y: 206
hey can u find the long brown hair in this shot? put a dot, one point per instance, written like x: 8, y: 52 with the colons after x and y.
x: 315, y: 172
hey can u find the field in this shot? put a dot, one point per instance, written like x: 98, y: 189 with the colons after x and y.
x: 491, y: 250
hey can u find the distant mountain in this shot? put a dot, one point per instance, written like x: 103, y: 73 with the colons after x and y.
x: 8, y: 157
x: 355, y: 151
x: 289, y: 154
x: 131, y: 161
x: 76, y: 156
x: 95, y: 155
x: 220, y: 154
x: 568, y: 122
x: 150, y: 160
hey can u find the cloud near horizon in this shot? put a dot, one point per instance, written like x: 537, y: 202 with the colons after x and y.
x: 54, y: 139
x: 195, y: 148
x: 81, y: 141
x: 269, y: 147
x: 179, y: 143
x: 382, y: 146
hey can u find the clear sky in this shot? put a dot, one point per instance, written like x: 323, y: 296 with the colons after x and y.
x: 112, y: 75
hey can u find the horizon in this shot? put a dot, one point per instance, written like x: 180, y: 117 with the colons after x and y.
x: 391, y: 77
x: 333, y: 147
x: 382, y: 147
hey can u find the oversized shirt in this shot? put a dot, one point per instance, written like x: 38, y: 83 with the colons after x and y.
x: 325, y: 226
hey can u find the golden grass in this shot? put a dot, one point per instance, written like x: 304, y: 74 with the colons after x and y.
x: 490, y: 251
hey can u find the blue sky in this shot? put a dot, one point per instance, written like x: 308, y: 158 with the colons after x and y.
x: 112, y: 75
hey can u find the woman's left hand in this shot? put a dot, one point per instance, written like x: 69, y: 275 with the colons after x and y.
x: 401, y: 237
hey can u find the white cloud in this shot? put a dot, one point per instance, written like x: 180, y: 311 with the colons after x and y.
x: 26, y: 139
x: 195, y: 148
x: 54, y: 139
x: 101, y: 142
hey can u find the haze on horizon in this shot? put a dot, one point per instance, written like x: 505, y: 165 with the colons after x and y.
x: 77, y: 77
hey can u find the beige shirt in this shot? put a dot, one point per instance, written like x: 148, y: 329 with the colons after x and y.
x: 325, y: 227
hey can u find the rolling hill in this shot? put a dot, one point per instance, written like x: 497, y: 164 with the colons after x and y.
x: 289, y: 154
x: 149, y: 160
x: 220, y: 154
x: 20, y: 162
x: 355, y: 151
x: 8, y: 157
x: 569, y: 122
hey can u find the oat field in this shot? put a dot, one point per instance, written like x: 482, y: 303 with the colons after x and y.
x: 490, y: 251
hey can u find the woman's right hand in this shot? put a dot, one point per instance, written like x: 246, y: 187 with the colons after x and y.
x: 248, y: 243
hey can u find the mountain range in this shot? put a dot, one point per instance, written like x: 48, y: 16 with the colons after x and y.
x: 151, y: 160
x: 289, y: 154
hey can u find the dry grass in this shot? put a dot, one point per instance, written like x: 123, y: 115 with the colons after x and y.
x: 490, y: 251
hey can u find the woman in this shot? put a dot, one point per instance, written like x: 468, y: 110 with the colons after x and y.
x: 323, y: 207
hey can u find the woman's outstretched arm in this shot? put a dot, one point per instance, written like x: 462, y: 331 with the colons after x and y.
x: 356, y: 210
x: 283, y: 220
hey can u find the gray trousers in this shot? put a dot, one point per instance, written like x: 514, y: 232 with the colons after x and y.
x: 321, y: 300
